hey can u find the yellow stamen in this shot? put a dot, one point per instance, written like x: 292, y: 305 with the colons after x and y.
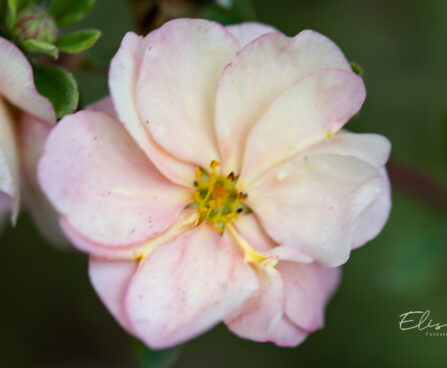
x: 145, y: 249
x: 198, y: 173
x: 216, y: 198
x: 269, y: 262
x: 220, y: 192
x: 250, y: 254
x: 214, y: 164
x: 230, y: 215
x: 218, y: 229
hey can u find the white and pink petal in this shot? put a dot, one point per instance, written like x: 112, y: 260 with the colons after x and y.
x: 257, y: 76
x: 247, y: 32
x: 307, y: 288
x: 123, y: 77
x: 17, y: 83
x: 32, y: 134
x: 184, y: 222
x: 99, y: 179
x: 262, y: 318
x: 186, y: 287
x: 371, y: 148
x: 177, y: 86
x: 313, y: 203
x: 252, y: 231
x: 110, y: 279
x: 374, y: 218
x: 5, y: 209
x: 9, y: 162
x: 304, y: 114
x: 105, y: 104
x: 95, y: 249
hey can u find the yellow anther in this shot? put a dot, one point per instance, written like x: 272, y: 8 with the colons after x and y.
x: 216, y: 198
x: 330, y: 134
x: 218, y: 229
x: 230, y: 215
x: 214, y: 164
x: 198, y: 173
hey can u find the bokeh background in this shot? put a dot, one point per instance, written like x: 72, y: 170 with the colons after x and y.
x: 50, y: 316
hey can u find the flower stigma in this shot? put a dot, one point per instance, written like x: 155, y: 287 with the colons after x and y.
x: 216, y: 198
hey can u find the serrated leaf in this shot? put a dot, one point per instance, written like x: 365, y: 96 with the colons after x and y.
x: 78, y: 41
x: 148, y: 358
x: 59, y: 86
x: 41, y: 46
x: 70, y: 11
x: 11, y: 14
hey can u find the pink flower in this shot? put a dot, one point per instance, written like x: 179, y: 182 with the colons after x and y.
x: 222, y: 188
x: 22, y: 135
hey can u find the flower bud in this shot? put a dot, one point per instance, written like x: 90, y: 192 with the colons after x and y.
x: 36, y: 23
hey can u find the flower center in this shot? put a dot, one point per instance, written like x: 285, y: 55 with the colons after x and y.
x: 216, y: 198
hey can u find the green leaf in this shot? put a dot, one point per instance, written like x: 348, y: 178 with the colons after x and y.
x: 356, y: 68
x: 12, y: 13
x: 229, y: 11
x: 155, y: 359
x: 41, y: 46
x: 70, y: 11
x: 78, y: 41
x: 59, y: 87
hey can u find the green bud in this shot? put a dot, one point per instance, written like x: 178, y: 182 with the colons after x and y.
x: 35, y: 23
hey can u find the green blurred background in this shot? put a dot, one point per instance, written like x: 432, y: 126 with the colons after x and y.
x: 50, y: 316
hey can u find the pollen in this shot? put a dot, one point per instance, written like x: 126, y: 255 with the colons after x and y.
x: 216, y: 198
x: 220, y: 192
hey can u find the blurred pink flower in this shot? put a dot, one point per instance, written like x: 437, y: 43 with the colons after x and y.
x: 216, y: 185
x: 22, y: 135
